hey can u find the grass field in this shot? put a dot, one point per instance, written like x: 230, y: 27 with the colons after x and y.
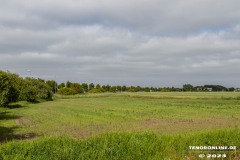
x: 121, y: 125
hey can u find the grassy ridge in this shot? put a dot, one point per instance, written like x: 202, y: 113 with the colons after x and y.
x: 140, y: 146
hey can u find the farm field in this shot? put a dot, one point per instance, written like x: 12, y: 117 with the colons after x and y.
x: 145, y: 120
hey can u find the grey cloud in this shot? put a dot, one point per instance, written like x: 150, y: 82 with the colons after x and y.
x: 129, y: 42
x: 153, y: 16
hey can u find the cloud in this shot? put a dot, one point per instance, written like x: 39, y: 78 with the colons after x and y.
x: 152, y: 43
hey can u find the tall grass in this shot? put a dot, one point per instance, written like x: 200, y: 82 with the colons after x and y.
x: 125, y: 146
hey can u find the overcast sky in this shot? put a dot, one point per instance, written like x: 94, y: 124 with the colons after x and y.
x: 128, y: 42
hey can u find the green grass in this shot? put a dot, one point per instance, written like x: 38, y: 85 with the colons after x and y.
x: 87, y: 119
x: 140, y: 146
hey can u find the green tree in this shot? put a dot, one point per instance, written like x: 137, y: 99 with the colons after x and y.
x: 68, y: 84
x: 138, y: 89
x: 33, y: 90
x: 77, y: 87
x: 119, y: 88
x: 146, y: 89
x: 124, y: 88
x: 166, y: 89
x: 91, y: 86
x: 53, y: 85
x: 85, y: 87
x: 113, y: 89
x: 98, y: 86
x: 188, y: 87
x: 106, y: 87
x: 61, y: 85
x: 9, y: 88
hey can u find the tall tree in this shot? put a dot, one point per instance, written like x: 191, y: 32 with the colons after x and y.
x: 68, y: 84
x: 98, y: 86
x: 77, y: 87
x: 9, y: 88
x: 53, y: 85
x: 188, y: 87
x: 61, y: 85
x: 91, y: 86
x: 85, y: 87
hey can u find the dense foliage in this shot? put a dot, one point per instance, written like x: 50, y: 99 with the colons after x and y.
x: 9, y: 88
x: 14, y: 88
x: 33, y: 89
x: 67, y: 91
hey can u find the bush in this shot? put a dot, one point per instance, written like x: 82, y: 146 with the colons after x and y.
x: 99, y: 90
x: 77, y: 87
x: 9, y: 90
x: 33, y: 89
x: 67, y: 91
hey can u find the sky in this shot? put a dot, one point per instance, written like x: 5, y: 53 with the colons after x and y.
x: 160, y: 43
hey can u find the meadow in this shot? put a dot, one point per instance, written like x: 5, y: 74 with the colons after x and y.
x: 121, y: 126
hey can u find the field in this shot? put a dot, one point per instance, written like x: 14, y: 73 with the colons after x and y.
x: 120, y: 126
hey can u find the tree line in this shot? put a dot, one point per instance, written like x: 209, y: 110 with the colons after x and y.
x: 14, y: 88
x: 70, y: 88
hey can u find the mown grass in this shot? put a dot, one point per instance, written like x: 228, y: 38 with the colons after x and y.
x: 89, y: 115
x: 168, y: 95
x: 172, y: 122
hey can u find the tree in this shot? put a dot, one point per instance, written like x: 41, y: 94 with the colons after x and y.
x: 77, y: 87
x: 61, y: 85
x: 138, y: 88
x: 113, y: 89
x: 98, y: 86
x: 119, y: 88
x: 68, y: 84
x: 124, y: 88
x: 146, y: 89
x: 91, y: 86
x: 188, y: 87
x: 132, y: 89
x: 14, y: 88
x: 9, y: 88
x: 166, y: 89
x: 85, y: 87
x: 106, y: 88
x: 32, y: 90
x: 53, y: 85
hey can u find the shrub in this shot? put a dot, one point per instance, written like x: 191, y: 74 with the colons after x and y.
x: 67, y: 91
x: 99, y: 90
x: 33, y: 89
x: 9, y: 91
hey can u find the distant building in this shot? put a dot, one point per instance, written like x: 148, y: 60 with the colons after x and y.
x: 209, y: 89
x: 237, y: 90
